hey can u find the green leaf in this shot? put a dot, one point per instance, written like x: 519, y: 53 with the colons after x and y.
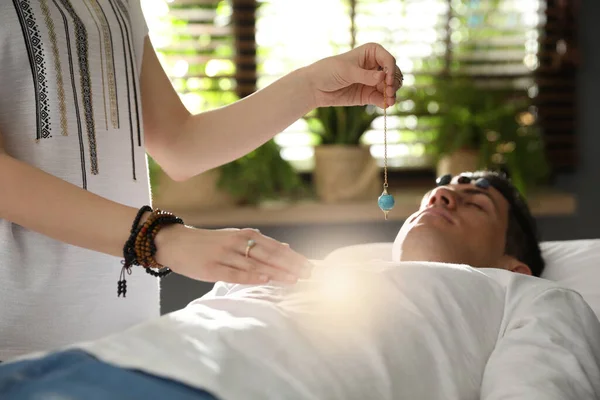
x: 261, y: 175
x: 341, y: 125
x: 469, y: 111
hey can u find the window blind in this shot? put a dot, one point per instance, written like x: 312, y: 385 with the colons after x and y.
x: 219, y: 51
x: 196, y: 42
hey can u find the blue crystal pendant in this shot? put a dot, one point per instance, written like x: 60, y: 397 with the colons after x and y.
x: 386, y: 202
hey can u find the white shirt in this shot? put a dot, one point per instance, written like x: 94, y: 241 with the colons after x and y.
x: 376, y: 331
x: 70, y: 106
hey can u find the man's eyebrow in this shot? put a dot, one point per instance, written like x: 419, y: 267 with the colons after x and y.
x: 483, y: 192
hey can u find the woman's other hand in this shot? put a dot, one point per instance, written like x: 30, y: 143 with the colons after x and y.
x: 220, y: 255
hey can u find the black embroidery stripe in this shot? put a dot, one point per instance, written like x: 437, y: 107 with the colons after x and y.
x: 76, y: 101
x: 60, y: 86
x: 101, y: 64
x: 128, y: 88
x: 124, y: 10
x: 37, y: 60
x: 85, y: 81
x: 131, y: 48
x: 110, y: 64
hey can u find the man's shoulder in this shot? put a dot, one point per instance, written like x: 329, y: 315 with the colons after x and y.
x: 531, y: 295
x: 520, y: 283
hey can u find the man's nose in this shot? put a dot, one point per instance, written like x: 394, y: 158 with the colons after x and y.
x: 442, y: 197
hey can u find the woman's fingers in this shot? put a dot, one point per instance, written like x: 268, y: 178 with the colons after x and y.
x: 383, y: 59
x: 221, y: 256
x: 230, y: 274
x: 272, y: 253
x: 377, y: 97
x: 256, y: 268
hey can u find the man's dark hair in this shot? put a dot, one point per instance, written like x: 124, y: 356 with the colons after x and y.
x: 522, y: 238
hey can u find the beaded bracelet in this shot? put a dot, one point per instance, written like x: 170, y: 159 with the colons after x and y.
x: 140, y: 248
x: 128, y: 249
x: 145, y: 248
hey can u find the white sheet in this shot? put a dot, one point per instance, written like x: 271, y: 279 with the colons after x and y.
x: 573, y: 264
x: 377, y: 331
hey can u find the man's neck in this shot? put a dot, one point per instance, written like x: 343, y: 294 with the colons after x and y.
x: 434, y: 252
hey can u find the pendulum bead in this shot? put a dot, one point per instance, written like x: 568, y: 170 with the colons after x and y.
x: 386, y: 202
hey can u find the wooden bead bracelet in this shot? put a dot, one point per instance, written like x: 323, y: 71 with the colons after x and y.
x: 140, y: 248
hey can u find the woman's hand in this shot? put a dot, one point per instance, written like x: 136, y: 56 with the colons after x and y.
x: 220, y: 255
x: 355, y: 77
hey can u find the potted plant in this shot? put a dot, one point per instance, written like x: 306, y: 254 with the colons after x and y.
x: 344, y: 169
x: 259, y: 176
x: 478, y: 127
x: 197, y: 193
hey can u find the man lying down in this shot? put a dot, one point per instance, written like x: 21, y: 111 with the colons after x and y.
x: 455, y: 316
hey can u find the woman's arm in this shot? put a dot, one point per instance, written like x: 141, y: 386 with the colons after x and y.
x: 185, y: 145
x: 71, y: 214
x: 80, y: 218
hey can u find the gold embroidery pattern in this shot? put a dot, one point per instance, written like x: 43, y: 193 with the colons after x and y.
x: 101, y: 65
x: 110, y: 67
x: 60, y: 88
x: 82, y: 46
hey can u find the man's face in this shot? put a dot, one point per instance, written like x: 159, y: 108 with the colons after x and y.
x: 458, y: 223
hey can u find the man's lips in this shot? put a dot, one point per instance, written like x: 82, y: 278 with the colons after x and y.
x: 437, y: 211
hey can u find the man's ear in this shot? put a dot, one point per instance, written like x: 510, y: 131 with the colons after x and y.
x: 512, y: 264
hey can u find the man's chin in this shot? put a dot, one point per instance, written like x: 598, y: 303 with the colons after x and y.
x: 428, y: 225
x: 423, y: 237
x: 420, y: 235
x: 427, y: 231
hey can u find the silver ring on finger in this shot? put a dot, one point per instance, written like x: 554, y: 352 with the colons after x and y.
x: 251, y: 243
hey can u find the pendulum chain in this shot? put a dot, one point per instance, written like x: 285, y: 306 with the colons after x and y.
x: 385, y: 201
x: 385, y: 155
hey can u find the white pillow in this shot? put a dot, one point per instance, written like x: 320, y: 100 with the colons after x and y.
x: 574, y: 264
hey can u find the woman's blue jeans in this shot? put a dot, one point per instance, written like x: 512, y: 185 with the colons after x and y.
x: 75, y: 375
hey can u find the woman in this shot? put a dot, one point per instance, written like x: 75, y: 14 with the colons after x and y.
x: 82, y: 99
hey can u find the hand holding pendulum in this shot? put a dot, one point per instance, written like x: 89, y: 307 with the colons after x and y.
x: 385, y: 201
